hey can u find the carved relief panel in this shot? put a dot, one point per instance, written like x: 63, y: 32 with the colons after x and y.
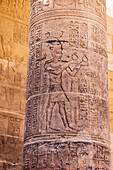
x: 55, y: 72
x: 72, y: 155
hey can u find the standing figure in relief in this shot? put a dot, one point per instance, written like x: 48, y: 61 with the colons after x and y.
x: 55, y: 67
x: 57, y: 95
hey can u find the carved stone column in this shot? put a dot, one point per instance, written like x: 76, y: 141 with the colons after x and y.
x: 67, y: 116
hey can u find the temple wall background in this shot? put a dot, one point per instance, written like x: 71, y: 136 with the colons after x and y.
x: 14, y: 28
x: 110, y: 76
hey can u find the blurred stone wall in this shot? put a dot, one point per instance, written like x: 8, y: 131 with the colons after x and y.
x: 110, y: 76
x: 14, y: 26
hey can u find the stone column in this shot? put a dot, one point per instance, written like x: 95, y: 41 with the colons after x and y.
x: 67, y: 116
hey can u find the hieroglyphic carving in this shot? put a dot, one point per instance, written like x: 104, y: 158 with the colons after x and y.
x: 74, y: 34
x: 36, y: 8
x: 99, y: 38
x: 83, y: 85
x: 31, y: 157
x: 73, y: 155
x: 78, y: 35
x: 10, y: 145
x: 102, y: 38
x: 83, y: 116
x: 14, y: 126
x: 35, y: 37
x: 92, y: 84
x: 92, y: 102
x: 84, y: 35
x: 5, y: 47
x: 32, y: 118
x: 96, y: 34
x: 20, y: 34
x: 102, y: 118
x: 15, y: 9
x: 30, y: 78
x: 3, y: 70
x: 11, y: 97
x: 38, y: 33
x: 97, y: 6
x: 37, y: 66
x: 34, y: 76
x: 89, y: 4
x: 102, y: 76
x: 99, y: 49
x: 102, y: 156
x: 28, y: 120
x: 100, y: 8
x: 32, y: 39
x: 39, y: 6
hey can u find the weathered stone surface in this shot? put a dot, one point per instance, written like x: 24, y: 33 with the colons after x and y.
x: 67, y: 118
x: 13, y: 70
x: 11, y: 140
x: 63, y: 155
x: 110, y: 79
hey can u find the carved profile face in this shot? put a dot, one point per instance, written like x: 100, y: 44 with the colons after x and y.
x: 56, y: 50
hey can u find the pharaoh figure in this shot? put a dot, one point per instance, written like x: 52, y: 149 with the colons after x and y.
x: 57, y: 94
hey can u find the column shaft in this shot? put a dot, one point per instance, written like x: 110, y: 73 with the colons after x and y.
x: 67, y: 117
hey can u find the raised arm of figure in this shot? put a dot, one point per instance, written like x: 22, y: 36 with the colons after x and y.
x: 75, y: 70
x: 57, y: 70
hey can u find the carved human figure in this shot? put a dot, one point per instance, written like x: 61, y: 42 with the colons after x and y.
x: 55, y: 67
x: 73, y: 70
x: 57, y: 95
